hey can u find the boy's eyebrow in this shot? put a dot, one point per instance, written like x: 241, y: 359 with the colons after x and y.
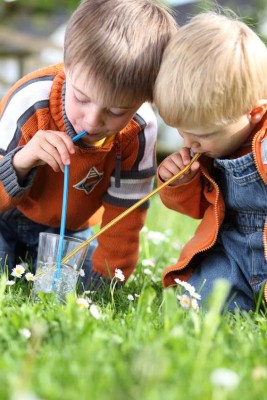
x: 200, y: 134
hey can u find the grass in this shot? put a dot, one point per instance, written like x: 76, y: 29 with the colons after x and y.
x: 147, y: 348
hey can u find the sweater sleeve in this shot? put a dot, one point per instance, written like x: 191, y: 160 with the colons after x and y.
x: 18, y: 123
x: 119, y: 245
x: 186, y: 199
x: 10, y: 183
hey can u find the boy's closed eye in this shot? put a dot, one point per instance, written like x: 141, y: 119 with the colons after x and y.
x: 198, y: 136
x: 116, y: 114
x: 81, y: 101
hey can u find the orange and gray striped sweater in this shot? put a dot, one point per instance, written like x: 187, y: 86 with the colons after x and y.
x: 35, y: 103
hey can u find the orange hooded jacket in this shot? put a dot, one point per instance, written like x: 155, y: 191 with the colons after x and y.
x: 201, y: 198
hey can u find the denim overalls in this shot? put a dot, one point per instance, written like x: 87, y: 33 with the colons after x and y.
x: 238, y: 254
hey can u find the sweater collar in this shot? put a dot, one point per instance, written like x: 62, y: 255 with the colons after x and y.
x: 56, y: 101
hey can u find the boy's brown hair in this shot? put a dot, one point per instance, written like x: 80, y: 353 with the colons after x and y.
x: 119, y: 43
x: 213, y: 71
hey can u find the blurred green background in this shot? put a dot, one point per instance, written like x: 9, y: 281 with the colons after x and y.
x: 32, y: 32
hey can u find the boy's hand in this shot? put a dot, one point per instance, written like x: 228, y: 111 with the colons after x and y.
x: 175, y: 163
x: 46, y: 147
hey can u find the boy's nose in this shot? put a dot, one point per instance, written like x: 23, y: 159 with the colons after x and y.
x: 191, y: 144
x: 93, y: 117
x: 187, y: 142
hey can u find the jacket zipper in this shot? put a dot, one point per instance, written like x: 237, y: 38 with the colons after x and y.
x: 265, y: 225
x: 217, y: 224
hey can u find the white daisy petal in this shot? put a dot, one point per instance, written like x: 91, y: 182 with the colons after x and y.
x: 147, y: 271
x: 10, y: 283
x: 119, y: 274
x: 24, y: 332
x: 82, y: 303
x: 225, y: 378
x: 29, y: 276
x: 18, y: 271
x: 95, y: 312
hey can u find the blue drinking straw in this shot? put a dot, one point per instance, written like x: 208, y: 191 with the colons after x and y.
x: 64, y: 212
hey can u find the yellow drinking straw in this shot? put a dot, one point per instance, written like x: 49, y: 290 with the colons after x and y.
x: 130, y: 209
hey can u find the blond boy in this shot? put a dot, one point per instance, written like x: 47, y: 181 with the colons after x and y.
x: 212, y: 86
x: 112, y: 54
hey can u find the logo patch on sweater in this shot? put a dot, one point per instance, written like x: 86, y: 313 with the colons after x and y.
x: 90, y: 181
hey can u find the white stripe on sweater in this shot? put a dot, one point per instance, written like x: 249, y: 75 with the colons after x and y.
x: 131, y: 189
x: 150, y: 132
x: 18, y: 105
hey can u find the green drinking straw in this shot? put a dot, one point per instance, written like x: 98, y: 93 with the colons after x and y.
x: 64, y: 213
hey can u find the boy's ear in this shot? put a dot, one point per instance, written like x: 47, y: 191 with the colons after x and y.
x: 258, y: 112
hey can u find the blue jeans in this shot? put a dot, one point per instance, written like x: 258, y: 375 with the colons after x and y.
x: 239, y: 260
x: 238, y: 254
x: 19, y: 237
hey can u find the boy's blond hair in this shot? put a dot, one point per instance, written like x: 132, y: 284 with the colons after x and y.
x: 213, y: 71
x: 119, y: 45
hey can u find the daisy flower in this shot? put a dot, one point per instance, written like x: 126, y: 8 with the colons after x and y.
x: 25, y: 333
x: 119, y: 274
x: 185, y: 301
x: 147, y: 271
x: 82, y: 303
x: 148, y: 262
x: 29, y: 276
x: 156, y: 237
x: 10, y: 283
x: 18, y: 271
x: 95, y: 312
x: 225, y: 378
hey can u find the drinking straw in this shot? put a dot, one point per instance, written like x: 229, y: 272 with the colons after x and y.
x: 64, y: 212
x: 130, y: 209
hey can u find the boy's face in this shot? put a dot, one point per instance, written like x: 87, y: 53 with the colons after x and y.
x: 216, y: 142
x: 86, y: 113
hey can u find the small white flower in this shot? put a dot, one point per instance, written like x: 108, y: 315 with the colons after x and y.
x: 18, y: 271
x: 177, y: 246
x: 185, y: 301
x: 168, y: 232
x: 82, y: 303
x: 225, y: 378
x: 24, y: 332
x: 89, y: 292
x: 29, y: 276
x: 195, y: 295
x: 194, y: 304
x: 10, y: 283
x: 82, y: 273
x: 144, y: 229
x: 156, y: 237
x: 24, y: 394
x: 178, y: 281
x: 189, y: 287
x: 130, y: 297
x: 119, y: 274
x: 95, y: 312
x: 147, y: 271
x: 148, y: 262
x: 137, y: 295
